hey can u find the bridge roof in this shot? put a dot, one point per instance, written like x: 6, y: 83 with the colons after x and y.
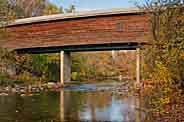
x: 75, y: 15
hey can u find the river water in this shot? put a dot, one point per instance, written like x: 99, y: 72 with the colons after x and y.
x: 73, y: 104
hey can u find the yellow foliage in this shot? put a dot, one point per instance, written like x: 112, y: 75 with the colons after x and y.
x: 26, y: 77
x: 162, y: 74
x: 51, y: 9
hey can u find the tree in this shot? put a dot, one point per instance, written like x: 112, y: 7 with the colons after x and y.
x: 71, y: 9
x: 167, y: 37
x: 6, y: 58
x: 28, y: 8
x: 51, y: 9
x: 163, y: 96
x: 6, y: 15
x: 31, y: 8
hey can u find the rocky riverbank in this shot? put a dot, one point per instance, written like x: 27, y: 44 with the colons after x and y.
x: 118, y: 87
x: 29, y: 89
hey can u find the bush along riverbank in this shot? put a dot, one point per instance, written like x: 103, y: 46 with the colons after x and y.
x: 164, y: 102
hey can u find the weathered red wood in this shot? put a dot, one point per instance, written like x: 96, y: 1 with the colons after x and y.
x: 81, y: 31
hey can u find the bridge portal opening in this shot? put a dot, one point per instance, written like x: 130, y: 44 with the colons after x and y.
x: 100, y: 65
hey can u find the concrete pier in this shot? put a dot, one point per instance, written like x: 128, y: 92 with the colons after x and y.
x: 138, y: 68
x: 65, y: 67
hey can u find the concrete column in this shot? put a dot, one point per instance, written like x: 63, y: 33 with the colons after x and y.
x: 113, y: 54
x: 65, y: 67
x: 138, y: 70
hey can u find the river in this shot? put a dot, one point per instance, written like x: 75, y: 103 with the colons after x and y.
x: 73, y: 104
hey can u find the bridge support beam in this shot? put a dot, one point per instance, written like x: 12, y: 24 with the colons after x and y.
x: 65, y: 67
x: 138, y: 67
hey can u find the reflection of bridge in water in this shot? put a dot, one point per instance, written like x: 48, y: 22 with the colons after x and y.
x: 118, y: 29
x: 99, y: 106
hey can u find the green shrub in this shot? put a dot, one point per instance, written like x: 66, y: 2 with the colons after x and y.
x: 75, y: 76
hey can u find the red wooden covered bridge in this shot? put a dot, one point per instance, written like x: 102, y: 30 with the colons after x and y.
x: 115, y: 29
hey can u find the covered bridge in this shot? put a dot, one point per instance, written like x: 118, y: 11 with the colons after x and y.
x: 115, y: 29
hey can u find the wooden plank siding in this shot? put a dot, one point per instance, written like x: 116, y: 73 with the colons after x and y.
x: 110, y: 29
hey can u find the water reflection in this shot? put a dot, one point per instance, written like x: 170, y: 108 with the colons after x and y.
x: 70, y: 106
x: 99, y: 106
x: 62, y: 106
x: 37, y: 108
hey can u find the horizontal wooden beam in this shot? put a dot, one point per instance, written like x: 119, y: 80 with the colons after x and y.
x: 81, y: 48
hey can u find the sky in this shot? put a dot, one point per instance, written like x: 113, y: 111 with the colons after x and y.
x: 82, y: 5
